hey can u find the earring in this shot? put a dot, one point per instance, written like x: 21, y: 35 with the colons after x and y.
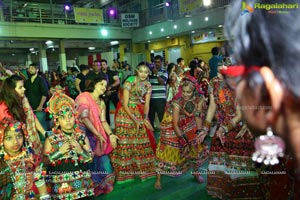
x: 268, y: 148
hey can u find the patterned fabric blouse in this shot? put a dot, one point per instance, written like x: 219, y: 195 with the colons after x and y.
x: 18, y: 173
x: 225, y: 100
x: 138, y: 90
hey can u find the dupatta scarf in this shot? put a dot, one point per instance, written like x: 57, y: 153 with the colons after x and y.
x: 84, y: 101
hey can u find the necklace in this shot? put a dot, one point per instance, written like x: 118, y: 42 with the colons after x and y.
x: 64, y: 137
x: 96, y: 99
x: 14, y: 158
x: 18, y: 175
x: 189, y: 105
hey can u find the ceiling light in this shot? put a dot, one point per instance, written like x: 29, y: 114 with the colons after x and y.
x: 167, y: 4
x: 175, y: 26
x: 31, y: 49
x: 149, y: 41
x: 193, y: 31
x: 220, y: 26
x: 91, y: 48
x: 206, y: 2
x: 150, y: 32
x: 168, y: 37
x: 190, y: 23
x: 67, y: 7
x: 206, y: 18
x: 162, y: 29
x: 114, y: 42
x: 104, y: 32
x: 49, y: 42
x: 112, y: 12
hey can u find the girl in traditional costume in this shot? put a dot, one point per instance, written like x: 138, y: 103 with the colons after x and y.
x: 18, y: 173
x: 14, y: 105
x: 134, y: 155
x: 232, y: 174
x: 180, y: 146
x: 68, y: 150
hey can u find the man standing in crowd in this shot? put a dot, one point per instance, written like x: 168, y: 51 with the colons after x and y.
x: 112, y: 87
x: 96, y: 70
x: 81, y: 77
x: 158, y: 80
x: 37, y: 92
x: 180, y: 63
x: 214, y: 62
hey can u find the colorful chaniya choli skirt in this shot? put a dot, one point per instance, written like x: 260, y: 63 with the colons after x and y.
x: 171, y: 158
x: 232, y: 173
x: 101, y: 169
x: 134, y: 156
x: 66, y: 181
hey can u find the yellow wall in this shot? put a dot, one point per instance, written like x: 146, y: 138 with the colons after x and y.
x: 203, y: 51
x: 188, y: 50
x: 121, y: 51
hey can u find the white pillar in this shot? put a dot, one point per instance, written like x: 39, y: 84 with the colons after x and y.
x: 28, y: 61
x: 62, y: 56
x: 43, y: 58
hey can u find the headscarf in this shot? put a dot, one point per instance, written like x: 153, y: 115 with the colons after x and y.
x: 194, y: 83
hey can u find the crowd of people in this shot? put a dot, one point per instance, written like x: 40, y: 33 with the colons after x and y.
x: 79, y: 156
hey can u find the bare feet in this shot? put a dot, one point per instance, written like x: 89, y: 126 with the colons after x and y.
x: 199, y: 178
x: 157, y: 185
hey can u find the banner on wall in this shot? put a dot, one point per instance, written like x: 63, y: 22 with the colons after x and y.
x: 203, y: 37
x: 187, y: 6
x: 130, y: 20
x: 88, y: 15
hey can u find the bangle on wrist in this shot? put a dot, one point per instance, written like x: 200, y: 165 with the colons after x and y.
x: 225, y: 129
x: 197, y: 113
x: 206, y: 124
x: 205, y: 129
x: 45, y: 197
x: 54, y: 156
x: 40, y: 183
x: 86, y: 156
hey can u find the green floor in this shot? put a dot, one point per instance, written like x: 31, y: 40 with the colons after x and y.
x: 184, y: 187
x: 180, y: 188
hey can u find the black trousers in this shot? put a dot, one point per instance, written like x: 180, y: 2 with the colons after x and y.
x: 114, y: 98
x: 156, y: 106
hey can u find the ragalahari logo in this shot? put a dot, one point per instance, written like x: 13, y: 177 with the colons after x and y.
x: 246, y: 9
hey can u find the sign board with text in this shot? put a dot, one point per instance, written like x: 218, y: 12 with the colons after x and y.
x: 130, y: 20
x: 88, y: 15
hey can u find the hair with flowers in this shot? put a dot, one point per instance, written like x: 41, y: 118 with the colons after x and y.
x: 8, y: 124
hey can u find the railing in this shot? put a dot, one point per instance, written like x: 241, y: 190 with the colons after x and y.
x: 16, y: 11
